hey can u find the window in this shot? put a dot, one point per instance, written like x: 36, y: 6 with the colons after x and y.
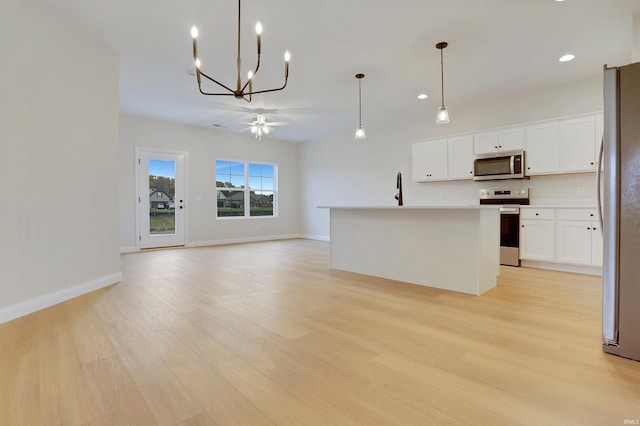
x: 242, y: 184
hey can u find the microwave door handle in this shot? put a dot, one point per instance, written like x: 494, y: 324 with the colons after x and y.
x: 512, y: 164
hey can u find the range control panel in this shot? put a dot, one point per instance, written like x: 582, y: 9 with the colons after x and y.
x: 504, y: 194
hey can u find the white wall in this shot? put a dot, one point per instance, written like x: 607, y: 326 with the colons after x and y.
x: 204, y: 146
x: 58, y: 160
x: 343, y: 171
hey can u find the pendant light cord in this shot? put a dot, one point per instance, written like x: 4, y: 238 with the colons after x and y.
x: 360, y: 102
x: 442, y: 76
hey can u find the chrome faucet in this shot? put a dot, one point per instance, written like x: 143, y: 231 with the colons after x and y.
x: 399, y: 187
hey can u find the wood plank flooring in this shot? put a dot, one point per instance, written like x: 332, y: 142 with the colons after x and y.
x: 266, y: 333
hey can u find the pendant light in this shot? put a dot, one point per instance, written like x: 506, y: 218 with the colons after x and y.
x: 359, y: 129
x: 443, y: 113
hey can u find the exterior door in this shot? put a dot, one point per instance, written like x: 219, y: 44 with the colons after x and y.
x: 160, y: 197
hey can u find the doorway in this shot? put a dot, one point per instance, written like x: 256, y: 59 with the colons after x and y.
x: 160, y: 196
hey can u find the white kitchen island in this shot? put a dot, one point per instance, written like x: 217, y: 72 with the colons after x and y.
x: 453, y: 248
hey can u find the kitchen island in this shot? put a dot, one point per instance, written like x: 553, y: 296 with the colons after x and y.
x: 448, y: 247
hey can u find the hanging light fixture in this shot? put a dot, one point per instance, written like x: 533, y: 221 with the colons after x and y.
x: 242, y: 91
x: 260, y: 127
x: 443, y: 113
x: 359, y: 129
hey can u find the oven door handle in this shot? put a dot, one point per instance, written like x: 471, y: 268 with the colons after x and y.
x: 510, y: 210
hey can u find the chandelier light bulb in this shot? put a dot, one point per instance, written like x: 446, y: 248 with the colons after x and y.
x: 287, y: 56
x: 194, y: 32
x: 250, y: 75
x: 197, y: 63
x: 258, y: 28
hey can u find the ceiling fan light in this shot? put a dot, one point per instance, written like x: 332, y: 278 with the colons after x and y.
x: 443, y: 115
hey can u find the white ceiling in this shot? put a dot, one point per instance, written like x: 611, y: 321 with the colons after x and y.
x: 496, y: 47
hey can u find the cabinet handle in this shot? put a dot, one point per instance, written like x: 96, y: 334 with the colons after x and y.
x: 594, y: 228
x: 536, y: 214
x: 588, y: 228
x: 592, y: 163
x: 528, y: 168
x: 522, y: 226
x: 591, y: 214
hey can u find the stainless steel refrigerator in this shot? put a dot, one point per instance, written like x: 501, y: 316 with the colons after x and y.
x: 620, y: 209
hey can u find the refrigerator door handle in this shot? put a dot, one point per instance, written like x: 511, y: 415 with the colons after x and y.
x: 598, y: 184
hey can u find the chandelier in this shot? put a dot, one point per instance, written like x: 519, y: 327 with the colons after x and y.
x: 242, y: 91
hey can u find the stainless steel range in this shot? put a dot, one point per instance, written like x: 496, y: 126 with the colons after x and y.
x: 510, y: 199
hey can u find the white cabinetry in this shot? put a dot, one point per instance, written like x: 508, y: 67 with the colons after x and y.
x: 461, y: 157
x: 543, y: 148
x: 429, y: 160
x: 537, y: 234
x: 579, y: 237
x: 501, y: 140
x: 579, y: 144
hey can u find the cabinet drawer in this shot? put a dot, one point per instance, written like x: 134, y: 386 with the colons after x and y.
x: 577, y: 214
x: 543, y: 214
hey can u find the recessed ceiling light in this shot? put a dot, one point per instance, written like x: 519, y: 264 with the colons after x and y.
x: 422, y: 96
x: 567, y: 58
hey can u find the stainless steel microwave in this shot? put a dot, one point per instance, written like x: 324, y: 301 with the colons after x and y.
x: 499, y: 165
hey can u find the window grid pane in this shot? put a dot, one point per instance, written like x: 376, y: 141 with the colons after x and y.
x: 232, y: 196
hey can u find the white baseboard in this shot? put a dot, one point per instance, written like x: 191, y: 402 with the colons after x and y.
x: 563, y: 267
x: 128, y: 249
x: 243, y: 240
x: 29, y: 306
x: 315, y: 237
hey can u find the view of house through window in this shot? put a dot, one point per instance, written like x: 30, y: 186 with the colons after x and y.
x: 162, y: 180
x: 245, y: 189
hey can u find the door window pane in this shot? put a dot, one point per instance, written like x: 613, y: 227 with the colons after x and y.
x: 162, y: 188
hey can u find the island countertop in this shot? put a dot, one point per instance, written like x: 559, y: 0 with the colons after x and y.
x: 434, y: 207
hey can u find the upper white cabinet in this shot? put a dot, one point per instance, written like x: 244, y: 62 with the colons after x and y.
x: 578, y: 148
x: 500, y: 140
x: 461, y: 157
x: 543, y: 148
x: 429, y: 160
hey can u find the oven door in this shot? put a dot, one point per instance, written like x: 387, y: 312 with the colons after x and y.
x: 510, y: 236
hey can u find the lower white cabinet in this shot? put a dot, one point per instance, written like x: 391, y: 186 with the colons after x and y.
x: 537, y: 234
x: 564, y: 235
x: 579, y: 237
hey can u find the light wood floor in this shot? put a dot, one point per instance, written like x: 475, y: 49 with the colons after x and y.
x: 267, y: 333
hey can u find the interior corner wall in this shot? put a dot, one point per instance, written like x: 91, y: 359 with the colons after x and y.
x: 340, y: 170
x: 203, y: 147
x: 58, y: 160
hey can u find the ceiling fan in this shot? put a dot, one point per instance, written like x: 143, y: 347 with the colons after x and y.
x: 260, y: 126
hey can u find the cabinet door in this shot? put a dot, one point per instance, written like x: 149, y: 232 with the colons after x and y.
x: 574, y: 242
x: 543, y: 148
x: 578, y: 144
x: 461, y: 157
x: 501, y: 140
x: 510, y: 139
x: 537, y: 240
x: 599, y: 135
x: 419, y: 161
x: 596, y: 244
x: 486, y: 142
x: 429, y: 160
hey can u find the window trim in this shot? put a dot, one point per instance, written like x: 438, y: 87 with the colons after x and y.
x: 247, y: 190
